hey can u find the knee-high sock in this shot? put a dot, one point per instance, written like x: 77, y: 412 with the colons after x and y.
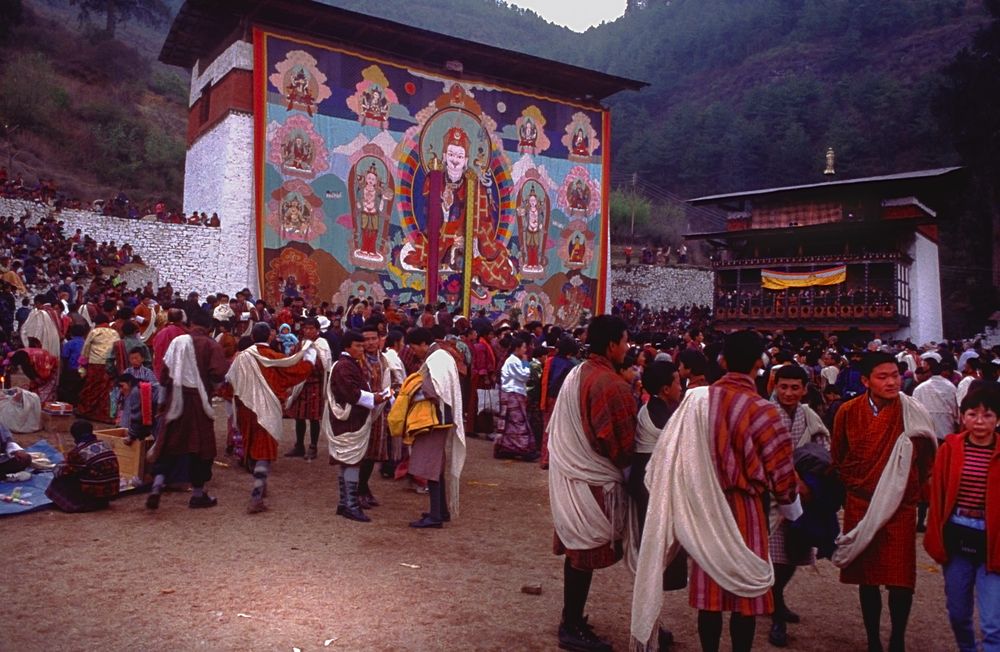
x: 367, y: 467
x: 576, y: 589
x: 922, y: 513
x: 741, y: 631
x: 158, y: 483
x: 300, y: 433
x: 260, y: 472
x: 350, y: 474
x: 782, y: 576
x: 314, y: 433
x: 900, y: 601
x: 871, y: 613
x: 435, y: 498
x: 709, y: 630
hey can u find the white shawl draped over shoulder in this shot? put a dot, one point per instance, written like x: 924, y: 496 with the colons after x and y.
x: 574, y: 467
x: 688, y: 508
x: 182, y: 366
x: 891, y: 485
x: 444, y: 376
x: 252, y: 389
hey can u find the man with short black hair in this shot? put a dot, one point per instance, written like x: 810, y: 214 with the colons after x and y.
x: 262, y: 379
x: 728, y: 447
x: 591, y: 440
x: 882, y: 446
x: 786, y: 550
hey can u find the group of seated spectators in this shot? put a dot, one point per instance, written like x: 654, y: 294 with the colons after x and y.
x: 121, y: 206
x: 42, y: 258
x: 15, y: 187
x: 834, y: 296
x: 667, y: 321
x: 658, y: 255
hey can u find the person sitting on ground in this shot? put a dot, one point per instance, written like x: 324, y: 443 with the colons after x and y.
x: 13, y: 458
x: 88, y: 478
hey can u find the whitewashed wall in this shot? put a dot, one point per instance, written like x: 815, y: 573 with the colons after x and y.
x: 218, y: 177
x: 926, y: 323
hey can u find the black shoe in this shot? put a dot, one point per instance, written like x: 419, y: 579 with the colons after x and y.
x: 581, y: 637
x: 367, y: 501
x: 427, y: 522
x: 256, y: 506
x: 355, y: 514
x: 778, y: 636
x: 153, y: 501
x: 445, y: 518
x: 921, y: 527
x: 340, y: 510
x: 666, y: 638
x: 787, y: 615
x: 298, y: 451
x: 203, y: 501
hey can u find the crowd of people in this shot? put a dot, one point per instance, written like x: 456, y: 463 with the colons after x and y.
x: 658, y: 255
x: 736, y: 453
x: 45, y: 191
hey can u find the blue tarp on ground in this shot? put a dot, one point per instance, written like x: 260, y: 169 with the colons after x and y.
x: 33, y: 491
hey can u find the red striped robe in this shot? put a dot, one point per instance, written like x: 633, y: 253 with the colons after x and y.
x: 861, y: 444
x: 753, y: 456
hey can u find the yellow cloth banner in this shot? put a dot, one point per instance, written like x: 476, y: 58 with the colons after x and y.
x: 774, y: 280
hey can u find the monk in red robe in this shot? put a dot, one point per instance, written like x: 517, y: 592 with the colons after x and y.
x: 259, y: 396
x: 864, y: 440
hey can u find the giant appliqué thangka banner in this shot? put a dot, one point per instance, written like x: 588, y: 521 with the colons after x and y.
x: 379, y: 180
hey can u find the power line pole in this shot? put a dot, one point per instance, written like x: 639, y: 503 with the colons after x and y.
x: 635, y: 180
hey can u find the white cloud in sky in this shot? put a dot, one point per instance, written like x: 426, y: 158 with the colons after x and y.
x: 578, y: 15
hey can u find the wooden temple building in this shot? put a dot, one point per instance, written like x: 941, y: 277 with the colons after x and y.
x: 855, y: 257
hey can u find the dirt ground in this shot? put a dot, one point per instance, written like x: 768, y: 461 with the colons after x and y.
x: 298, y: 576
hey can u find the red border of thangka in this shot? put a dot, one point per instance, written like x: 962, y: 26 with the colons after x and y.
x: 260, y: 109
x: 603, y: 280
x: 259, y: 137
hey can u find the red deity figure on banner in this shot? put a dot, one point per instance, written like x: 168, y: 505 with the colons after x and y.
x: 533, y: 223
x: 371, y: 208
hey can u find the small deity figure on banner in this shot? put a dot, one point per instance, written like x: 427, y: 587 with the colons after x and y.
x: 579, y: 195
x: 581, y: 144
x: 298, y: 154
x: 528, y: 135
x: 375, y: 105
x: 577, y: 249
x: 297, y: 92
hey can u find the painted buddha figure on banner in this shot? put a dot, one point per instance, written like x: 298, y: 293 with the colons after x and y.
x: 461, y: 186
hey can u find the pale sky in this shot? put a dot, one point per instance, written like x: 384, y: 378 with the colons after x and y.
x: 577, y: 15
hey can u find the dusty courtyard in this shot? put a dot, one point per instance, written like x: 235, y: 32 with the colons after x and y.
x: 300, y: 577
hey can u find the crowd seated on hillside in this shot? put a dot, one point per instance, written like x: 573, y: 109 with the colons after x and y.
x: 42, y: 258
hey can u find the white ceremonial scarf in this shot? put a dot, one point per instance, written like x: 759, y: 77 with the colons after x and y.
x: 891, y: 484
x: 39, y: 325
x: 151, y: 327
x: 350, y: 447
x: 183, y: 368
x: 687, y: 508
x: 250, y: 386
x: 647, y: 433
x: 447, y: 385
x: 574, y: 467
x: 325, y: 356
